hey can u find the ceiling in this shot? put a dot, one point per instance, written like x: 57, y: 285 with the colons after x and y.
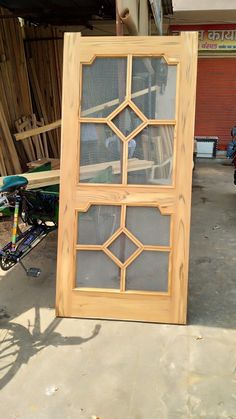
x: 67, y: 12
x: 61, y: 12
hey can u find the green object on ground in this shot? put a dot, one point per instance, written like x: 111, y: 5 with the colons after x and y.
x: 42, y: 168
x: 5, y: 212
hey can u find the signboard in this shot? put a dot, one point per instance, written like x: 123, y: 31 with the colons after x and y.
x: 212, y: 39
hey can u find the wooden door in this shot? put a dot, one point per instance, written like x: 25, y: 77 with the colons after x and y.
x: 126, y: 170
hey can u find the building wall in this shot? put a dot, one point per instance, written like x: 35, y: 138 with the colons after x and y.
x: 216, y: 83
x: 203, y: 5
x: 216, y: 98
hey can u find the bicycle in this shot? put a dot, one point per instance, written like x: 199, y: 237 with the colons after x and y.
x: 39, y: 212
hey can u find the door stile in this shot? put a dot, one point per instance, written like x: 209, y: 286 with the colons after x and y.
x: 184, y: 146
x: 69, y: 158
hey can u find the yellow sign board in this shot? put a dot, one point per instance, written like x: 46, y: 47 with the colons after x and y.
x: 215, y: 39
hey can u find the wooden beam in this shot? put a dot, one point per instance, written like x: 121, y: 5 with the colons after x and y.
x: 40, y: 179
x: 38, y: 130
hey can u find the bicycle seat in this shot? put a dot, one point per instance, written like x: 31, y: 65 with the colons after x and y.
x: 13, y: 182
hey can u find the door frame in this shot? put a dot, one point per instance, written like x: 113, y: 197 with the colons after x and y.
x: 175, y: 199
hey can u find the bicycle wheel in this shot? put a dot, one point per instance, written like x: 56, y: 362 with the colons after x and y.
x: 6, y: 262
x: 15, y: 349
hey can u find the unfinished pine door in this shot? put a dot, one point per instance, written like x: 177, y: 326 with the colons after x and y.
x: 126, y: 169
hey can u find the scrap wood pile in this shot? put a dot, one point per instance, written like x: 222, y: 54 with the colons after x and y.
x: 33, y: 135
x: 15, y: 98
x: 30, y: 94
x: 44, y: 54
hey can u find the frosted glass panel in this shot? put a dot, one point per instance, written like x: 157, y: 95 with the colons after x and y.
x: 103, y: 86
x: 122, y: 247
x: 154, y: 87
x: 100, y: 154
x: 153, y: 147
x: 95, y: 269
x: 149, y: 272
x: 127, y: 121
x: 148, y: 225
x: 97, y: 224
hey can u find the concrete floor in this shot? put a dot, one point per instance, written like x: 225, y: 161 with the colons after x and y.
x: 82, y: 369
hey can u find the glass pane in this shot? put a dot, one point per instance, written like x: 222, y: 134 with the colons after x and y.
x: 153, y: 147
x: 97, y: 224
x: 103, y: 86
x: 96, y: 270
x: 127, y: 121
x: 148, y: 225
x: 154, y: 87
x: 100, y: 154
x: 149, y: 272
x: 122, y: 247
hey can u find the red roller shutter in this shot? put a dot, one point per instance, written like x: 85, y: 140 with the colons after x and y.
x: 216, y: 98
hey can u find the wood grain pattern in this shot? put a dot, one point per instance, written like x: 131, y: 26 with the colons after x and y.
x: 174, y: 200
x: 69, y: 162
x: 117, y: 305
x: 134, y: 195
x: 169, y: 47
x: 183, y: 173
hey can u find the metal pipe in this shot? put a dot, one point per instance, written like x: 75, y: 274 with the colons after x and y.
x: 128, y: 12
x: 119, y: 23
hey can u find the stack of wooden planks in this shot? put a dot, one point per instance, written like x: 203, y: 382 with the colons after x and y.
x: 44, y: 51
x: 32, y: 133
x: 9, y: 160
x: 14, y: 84
x: 14, y: 91
x: 30, y: 92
